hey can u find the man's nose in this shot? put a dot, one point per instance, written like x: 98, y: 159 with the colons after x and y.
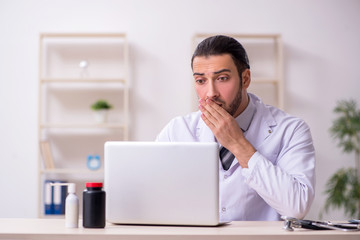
x: 212, y: 91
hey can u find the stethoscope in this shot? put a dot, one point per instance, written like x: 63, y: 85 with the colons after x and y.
x: 290, y: 223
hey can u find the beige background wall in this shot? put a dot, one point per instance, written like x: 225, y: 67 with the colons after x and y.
x: 321, y: 46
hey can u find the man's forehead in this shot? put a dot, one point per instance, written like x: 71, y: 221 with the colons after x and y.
x: 213, y: 64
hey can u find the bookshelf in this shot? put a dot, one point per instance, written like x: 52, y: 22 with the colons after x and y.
x: 75, y: 70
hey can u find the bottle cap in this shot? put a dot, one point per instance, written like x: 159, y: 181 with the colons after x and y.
x: 71, y: 188
x: 94, y: 184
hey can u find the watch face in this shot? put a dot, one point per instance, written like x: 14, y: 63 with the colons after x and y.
x: 93, y: 162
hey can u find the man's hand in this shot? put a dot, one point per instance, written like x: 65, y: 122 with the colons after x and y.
x: 226, y: 130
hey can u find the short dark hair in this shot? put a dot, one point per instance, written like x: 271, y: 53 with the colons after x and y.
x: 219, y: 45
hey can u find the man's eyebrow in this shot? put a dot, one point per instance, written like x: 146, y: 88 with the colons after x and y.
x: 198, y: 74
x: 222, y: 70
x: 217, y: 72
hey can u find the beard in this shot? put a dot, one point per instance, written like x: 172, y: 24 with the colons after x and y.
x: 234, y: 105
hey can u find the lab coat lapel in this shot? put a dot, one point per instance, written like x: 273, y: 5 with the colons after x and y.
x: 262, y: 125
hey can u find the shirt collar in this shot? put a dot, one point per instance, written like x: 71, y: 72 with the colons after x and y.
x: 244, y: 119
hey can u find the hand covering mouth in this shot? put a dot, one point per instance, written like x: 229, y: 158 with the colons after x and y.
x: 218, y: 102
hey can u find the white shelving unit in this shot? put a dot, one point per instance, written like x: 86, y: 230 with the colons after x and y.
x: 67, y: 89
x: 265, y: 52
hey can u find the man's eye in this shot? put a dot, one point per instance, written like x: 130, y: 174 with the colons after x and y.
x: 199, y: 81
x: 223, y: 78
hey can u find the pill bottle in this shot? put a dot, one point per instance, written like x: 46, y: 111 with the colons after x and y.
x: 94, y: 205
x: 71, y: 205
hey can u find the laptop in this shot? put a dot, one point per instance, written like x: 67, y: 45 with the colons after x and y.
x: 162, y: 183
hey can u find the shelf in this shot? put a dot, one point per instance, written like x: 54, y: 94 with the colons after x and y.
x: 254, y: 35
x: 72, y: 171
x: 83, y: 35
x: 75, y: 70
x: 82, y: 80
x: 82, y: 126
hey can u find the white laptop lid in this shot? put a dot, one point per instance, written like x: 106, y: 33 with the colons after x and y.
x: 170, y: 183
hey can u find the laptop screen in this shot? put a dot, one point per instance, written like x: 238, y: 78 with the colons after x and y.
x: 170, y: 183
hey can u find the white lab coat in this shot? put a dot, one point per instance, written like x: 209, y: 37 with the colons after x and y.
x: 280, y: 179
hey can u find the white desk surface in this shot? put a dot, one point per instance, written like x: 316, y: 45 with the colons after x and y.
x: 55, y: 229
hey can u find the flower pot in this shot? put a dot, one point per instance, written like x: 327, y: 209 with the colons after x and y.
x: 101, y: 115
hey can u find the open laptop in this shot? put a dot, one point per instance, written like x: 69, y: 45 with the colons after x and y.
x: 162, y: 183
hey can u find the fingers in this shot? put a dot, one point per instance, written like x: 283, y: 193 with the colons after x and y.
x: 207, y: 116
x: 207, y: 122
x: 214, y: 108
x: 218, y: 110
x: 212, y: 111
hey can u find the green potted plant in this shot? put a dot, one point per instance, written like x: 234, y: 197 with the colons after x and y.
x: 101, y: 108
x: 343, y: 188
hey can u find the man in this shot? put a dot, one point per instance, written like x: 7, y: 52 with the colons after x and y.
x: 267, y: 156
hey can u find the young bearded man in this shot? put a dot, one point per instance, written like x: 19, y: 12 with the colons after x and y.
x: 267, y: 158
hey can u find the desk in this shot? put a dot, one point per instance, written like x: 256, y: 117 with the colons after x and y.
x: 55, y: 229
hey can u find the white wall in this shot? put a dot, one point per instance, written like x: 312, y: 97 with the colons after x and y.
x: 321, y: 39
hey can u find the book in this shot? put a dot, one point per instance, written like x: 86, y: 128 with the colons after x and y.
x: 48, y: 198
x: 54, y: 198
x: 47, y: 155
x: 59, y: 197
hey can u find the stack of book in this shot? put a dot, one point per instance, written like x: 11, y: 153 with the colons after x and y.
x: 54, y: 198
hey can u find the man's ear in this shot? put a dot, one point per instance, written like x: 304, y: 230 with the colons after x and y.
x: 246, y: 78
